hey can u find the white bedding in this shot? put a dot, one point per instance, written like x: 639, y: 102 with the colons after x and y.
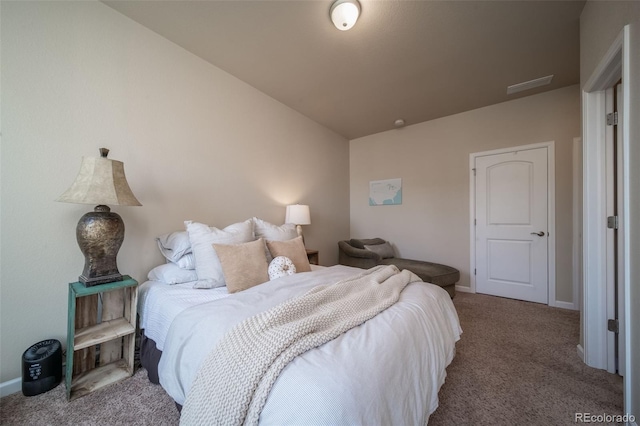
x: 159, y: 303
x: 386, y: 371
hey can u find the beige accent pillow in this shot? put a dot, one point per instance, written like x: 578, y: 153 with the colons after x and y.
x: 294, y: 250
x: 202, y: 238
x: 243, y: 265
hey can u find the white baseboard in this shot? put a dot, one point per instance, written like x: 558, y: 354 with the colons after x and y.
x: 10, y: 386
x: 581, y: 353
x: 565, y: 305
x: 464, y: 289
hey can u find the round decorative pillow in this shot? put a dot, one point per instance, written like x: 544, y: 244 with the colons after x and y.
x: 281, y: 266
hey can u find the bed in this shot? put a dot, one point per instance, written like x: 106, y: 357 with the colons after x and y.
x: 386, y: 370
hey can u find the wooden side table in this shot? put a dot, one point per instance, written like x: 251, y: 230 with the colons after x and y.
x: 312, y: 255
x: 100, y: 351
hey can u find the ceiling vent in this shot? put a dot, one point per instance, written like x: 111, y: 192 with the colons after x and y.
x: 542, y: 81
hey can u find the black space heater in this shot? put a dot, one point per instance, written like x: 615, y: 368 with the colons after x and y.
x: 41, y: 367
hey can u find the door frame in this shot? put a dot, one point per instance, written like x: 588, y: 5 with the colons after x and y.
x: 594, y: 349
x: 551, y: 217
x: 577, y: 223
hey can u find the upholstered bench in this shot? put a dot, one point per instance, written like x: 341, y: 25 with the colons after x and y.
x: 367, y: 253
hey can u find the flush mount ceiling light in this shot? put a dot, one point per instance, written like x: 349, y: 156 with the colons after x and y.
x: 542, y: 81
x: 344, y: 14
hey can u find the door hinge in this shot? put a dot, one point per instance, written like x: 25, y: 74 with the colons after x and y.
x: 474, y: 271
x: 612, y: 325
x: 612, y: 222
x: 475, y: 222
x: 474, y: 171
x: 612, y: 119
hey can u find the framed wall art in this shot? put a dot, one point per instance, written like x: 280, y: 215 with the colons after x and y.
x: 385, y: 192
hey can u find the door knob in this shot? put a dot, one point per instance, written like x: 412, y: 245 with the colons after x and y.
x: 539, y: 234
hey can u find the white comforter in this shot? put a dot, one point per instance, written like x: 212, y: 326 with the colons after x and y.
x: 159, y: 303
x: 386, y: 371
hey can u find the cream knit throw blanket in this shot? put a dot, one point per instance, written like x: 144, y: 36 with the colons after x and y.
x: 234, y: 381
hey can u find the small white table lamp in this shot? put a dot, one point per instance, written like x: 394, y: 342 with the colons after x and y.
x: 298, y: 214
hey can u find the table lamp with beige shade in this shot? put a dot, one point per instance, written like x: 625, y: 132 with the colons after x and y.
x: 100, y: 233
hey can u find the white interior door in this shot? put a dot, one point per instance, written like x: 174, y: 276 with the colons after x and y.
x: 620, y: 249
x: 511, y: 224
x: 614, y: 236
x: 610, y: 236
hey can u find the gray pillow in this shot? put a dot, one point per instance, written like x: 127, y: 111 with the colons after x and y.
x: 174, y: 245
x: 385, y: 250
x: 367, y: 241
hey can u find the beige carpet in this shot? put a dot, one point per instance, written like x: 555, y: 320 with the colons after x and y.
x: 516, y: 364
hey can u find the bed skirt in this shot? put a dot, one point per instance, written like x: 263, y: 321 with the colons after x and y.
x: 149, y: 357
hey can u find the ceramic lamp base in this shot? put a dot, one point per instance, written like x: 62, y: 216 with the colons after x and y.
x: 100, y: 234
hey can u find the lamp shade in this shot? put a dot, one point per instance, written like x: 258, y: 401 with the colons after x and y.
x: 298, y: 214
x: 344, y: 14
x: 100, y: 181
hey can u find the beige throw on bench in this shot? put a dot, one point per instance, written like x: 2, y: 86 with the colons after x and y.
x: 234, y: 381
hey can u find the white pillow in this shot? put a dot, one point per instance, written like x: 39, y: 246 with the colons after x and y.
x: 174, y: 245
x: 270, y: 232
x: 188, y: 261
x: 202, y: 238
x: 281, y: 266
x: 170, y: 273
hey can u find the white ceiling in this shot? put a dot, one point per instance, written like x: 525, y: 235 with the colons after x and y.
x: 415, y: 60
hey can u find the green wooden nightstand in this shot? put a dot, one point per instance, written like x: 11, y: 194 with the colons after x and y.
x: 100, y: 351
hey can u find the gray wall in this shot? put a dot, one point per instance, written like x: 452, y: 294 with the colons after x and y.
x: 197, y: 144
x: 432, y: 158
